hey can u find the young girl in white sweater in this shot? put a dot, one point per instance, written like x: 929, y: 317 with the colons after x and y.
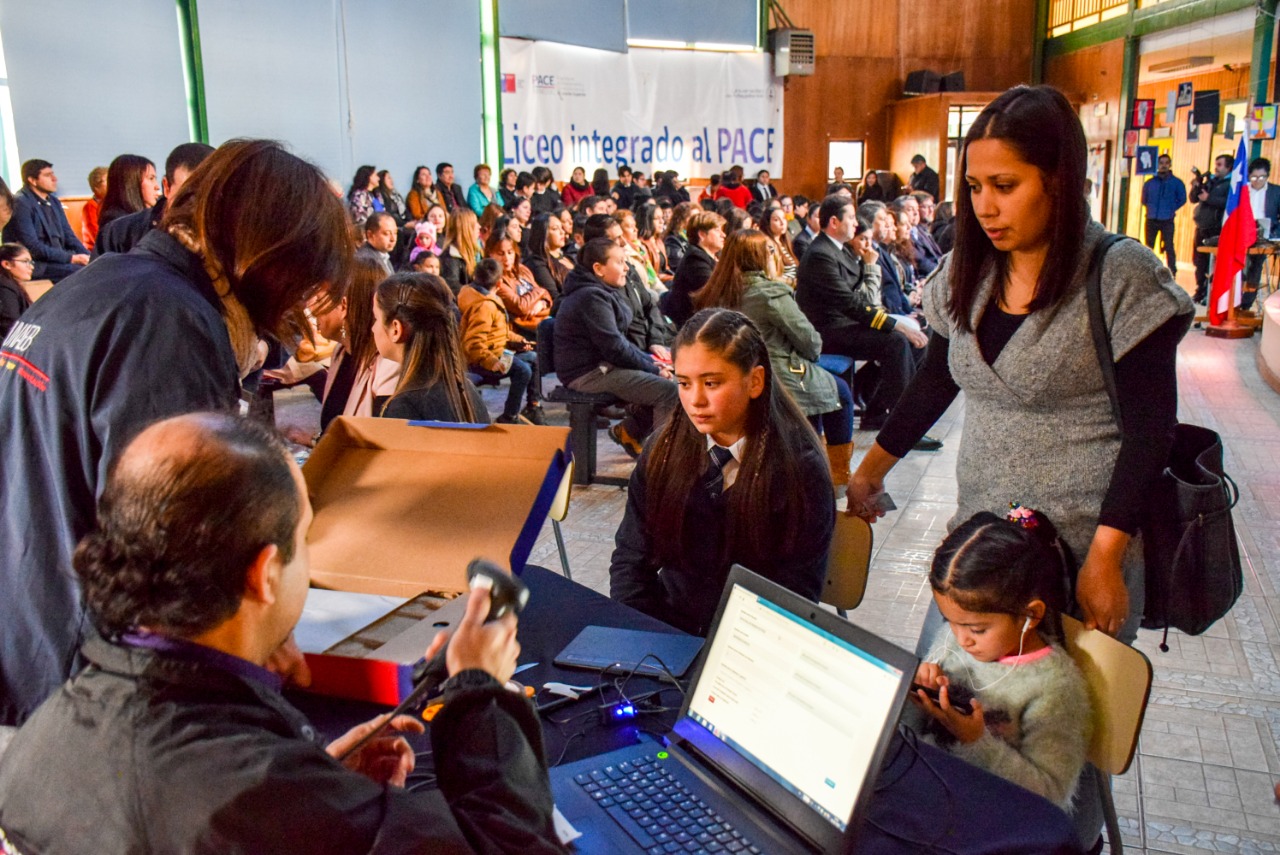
x: 999, y: 584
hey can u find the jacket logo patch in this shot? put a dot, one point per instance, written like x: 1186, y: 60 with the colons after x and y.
x: 20, y: 337
x: 27, y: 371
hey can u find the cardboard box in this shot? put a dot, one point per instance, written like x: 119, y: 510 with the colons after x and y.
x: 402, y: 507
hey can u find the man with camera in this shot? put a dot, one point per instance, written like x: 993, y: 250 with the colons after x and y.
x: 1210, y: 193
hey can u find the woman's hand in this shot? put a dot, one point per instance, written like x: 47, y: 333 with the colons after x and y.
x: 867, y: 482
x: 965, y: 728
x: 1100, y: 588
x: 386, y: 759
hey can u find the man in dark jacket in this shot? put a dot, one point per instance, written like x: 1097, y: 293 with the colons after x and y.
x: 593, y: 353
x: 830, y: 292
x: 178, y: 739
x: 40, y: 224
x: 1210, y: 193
x: 123, y: 233
x: 924, y: 177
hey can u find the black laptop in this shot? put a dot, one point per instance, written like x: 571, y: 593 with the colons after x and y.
x: 776, y: 747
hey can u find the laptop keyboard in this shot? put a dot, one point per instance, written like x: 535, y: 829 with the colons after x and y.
x: 659, y: 812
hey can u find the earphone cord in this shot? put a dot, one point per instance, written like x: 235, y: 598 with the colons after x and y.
x: 1022, y: 639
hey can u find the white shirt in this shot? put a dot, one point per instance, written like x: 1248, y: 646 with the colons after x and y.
x: 1258, y: 202
x: 730, y: 469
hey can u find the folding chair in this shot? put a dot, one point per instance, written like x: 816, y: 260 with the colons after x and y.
x: 847, y: 564
x: 1119, y: 680
x: 560, y: 510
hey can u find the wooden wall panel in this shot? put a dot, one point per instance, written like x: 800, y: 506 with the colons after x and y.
x: 1090, y: 78
x: 865, y: 50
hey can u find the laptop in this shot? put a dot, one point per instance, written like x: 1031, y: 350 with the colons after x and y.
x: 776, y: 747
x: 607, y: 648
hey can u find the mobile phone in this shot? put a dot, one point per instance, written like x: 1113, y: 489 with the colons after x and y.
x: 959, y: 697
x: 882, y: 502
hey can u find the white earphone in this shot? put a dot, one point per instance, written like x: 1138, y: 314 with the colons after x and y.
x: 1026, y: 626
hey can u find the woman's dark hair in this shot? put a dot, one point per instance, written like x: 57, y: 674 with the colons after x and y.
x: 416, y: 172
x: 990, y: 564
x: 644, y: 222
x: 536, y: 243
x: 778, y: 439
x: 424, y: 305
x: 679, y: 216
x: 170, y: 551
x: 600, y: 182
x: 366, y: 274
x: 10, y: 252
x: 269, y: 222
x: 361, y: 179
x: 493, y: 243
x: 1039, y: 124
x: 124, y: 186
x: 746, y: 251
x: 504, y: 175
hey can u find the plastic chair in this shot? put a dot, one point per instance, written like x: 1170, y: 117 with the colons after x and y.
x: 847, y: 564
x: 1119, y: 680
x: 560, y: 510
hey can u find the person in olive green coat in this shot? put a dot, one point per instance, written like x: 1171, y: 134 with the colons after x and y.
x: 745, y: 279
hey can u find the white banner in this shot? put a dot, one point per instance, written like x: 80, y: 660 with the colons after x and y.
x: 697, y: 112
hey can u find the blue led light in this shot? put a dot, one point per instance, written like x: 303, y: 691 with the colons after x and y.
x: 624, y: 711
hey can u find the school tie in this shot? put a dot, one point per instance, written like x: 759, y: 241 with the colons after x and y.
x: 719, y: 456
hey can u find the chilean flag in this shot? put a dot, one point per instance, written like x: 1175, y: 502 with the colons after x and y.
x: 1239, y: 231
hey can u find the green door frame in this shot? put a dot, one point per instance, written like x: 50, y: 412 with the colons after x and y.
x: 491, y: 86
x: 193, y: 68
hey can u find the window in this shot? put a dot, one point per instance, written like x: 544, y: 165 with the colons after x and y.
x: 1067, y: 16
x: 9, y: 162
x: 848, y: 155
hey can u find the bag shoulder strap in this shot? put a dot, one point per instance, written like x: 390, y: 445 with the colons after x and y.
x: 1098, y: 322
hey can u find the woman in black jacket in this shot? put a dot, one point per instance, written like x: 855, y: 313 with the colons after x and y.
x: 545, y: 258
x: 15, y: 269
x: 705, y: 231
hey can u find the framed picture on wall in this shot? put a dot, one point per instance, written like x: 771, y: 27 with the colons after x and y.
x: 1144, y: 114
x: 1262, y: 124
x: 1098, y: 172
x: 1147, y: 155
x: 1130, y: 143
x: 1186, y: 93
x: 1193, y: 130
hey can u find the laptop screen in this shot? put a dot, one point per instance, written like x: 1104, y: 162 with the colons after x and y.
x: 804, y: 706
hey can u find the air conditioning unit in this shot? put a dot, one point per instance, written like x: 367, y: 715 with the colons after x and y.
x: 793, y: 52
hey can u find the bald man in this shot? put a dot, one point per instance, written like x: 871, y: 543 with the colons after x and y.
x: 176, y: 737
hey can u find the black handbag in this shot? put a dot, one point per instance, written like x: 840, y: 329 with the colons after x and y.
x: 1190, y: 553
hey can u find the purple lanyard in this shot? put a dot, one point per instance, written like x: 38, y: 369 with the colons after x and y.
x: 189, y: 651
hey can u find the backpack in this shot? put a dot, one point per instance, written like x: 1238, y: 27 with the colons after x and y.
x: 1190, y: 555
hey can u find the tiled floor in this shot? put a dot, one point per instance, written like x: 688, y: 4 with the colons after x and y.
x: 1207, y: 764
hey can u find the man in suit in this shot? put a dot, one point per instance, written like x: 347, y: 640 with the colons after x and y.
x: 40, y: 224
x: 763, y: 191
x: 1264, y: 200
x: 811, y: 229
x: 836, y: 291
x: 380, y: 234
x: 924, y: 179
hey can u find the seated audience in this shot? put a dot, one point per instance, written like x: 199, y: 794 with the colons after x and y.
x: 450, y: 194
x: 651, y: 224
x: 522, y: 211
x: 176, y: 737
x: 736, y: 478
x: 380, y: 234
x: 424, y: 241
x: 461, y: 249
x: 746, y: 280
x: 649, y: 330
x: 836, y: 291
x: 249, y: 237
x: 546, y: 258
x: 879, y: 224
x: 706, y: 233
x: 524, y: 190
x: 131, y: 187
x: 392, y: 202
x: 124, y: 233
x: 774, y: 226
x: 481, y: 195
x: 93, y: 207
x: 922, y: 231
x: 812, y: 228
x: 577, y: 189
x: 674, y: 239
x: 870, y: 189
x: 999, y: 584
x: 593, y: 353
x: 924, y: 250
x: 573, y: 225
x: 594, y: 205
x: 494, y: 350
x: 763, y: 191
x: 359, y: 381
x: 40, y: 224
x: 665, y: 187
x: 943, y: 229
x: 423, y: 195
x: 507, y: 187
x: 625, y: 190
x: 415, y: 325
x: 637, y: 254
x: 15, y: 272
x: 527, y: 301
x: 426, y: 263
x: 362, y: 201
x: 600, y: 184
x: 732, y: 188
x: 908, y: 255
x: 545, y: 198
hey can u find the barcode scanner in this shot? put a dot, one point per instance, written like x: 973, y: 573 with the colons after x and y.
x: 507, y: 595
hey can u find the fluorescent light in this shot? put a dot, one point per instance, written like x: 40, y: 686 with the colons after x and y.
x: 658, y: 44
x: 725, y: 48
x: 1180, y: 64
